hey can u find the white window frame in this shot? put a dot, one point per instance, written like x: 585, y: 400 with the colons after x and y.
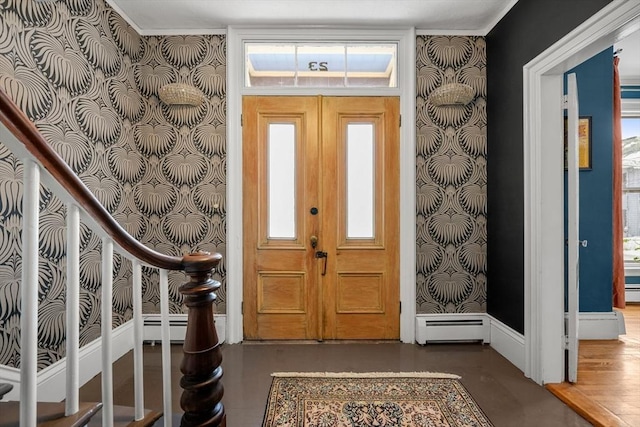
x: 631, y: 108
x: 406, y: 40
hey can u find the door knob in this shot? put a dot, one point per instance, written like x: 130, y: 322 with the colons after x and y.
x: 314, y: 241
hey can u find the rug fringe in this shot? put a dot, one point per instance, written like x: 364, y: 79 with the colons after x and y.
x: 366, y: 375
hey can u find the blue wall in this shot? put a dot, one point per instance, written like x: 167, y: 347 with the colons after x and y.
x: 631, y: 92
x: 595, y: 96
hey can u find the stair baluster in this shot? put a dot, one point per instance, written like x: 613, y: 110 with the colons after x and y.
x: 72, y: 402
x: 29, y: 294
x: 138, y: 337
x: 166, y: 349
x: 106, y: 331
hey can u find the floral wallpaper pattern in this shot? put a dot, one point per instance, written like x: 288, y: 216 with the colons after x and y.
x: 451, y: 178
x: 89, y: 82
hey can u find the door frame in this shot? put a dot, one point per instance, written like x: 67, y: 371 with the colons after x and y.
x: 406, y: 40
x: 543, y: 187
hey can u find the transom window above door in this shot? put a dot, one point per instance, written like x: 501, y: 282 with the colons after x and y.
x: 323, y: 65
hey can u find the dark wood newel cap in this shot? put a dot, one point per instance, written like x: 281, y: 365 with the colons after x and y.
x: 200, y: 261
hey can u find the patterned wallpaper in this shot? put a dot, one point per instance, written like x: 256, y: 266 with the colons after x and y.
x: 89, y: 82
x: 451, y: 179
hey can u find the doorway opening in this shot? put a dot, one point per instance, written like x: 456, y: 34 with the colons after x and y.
x: 543, y: 135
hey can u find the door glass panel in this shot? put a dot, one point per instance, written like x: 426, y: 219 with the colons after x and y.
x: 270, y: 65
x: 371, y: 66
x: 360, y: 181
x: 321, y: 64
x: 281, y: 185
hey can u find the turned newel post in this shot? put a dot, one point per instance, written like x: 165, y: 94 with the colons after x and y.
x: 202, y: 396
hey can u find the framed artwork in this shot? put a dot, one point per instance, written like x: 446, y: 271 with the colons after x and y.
x: 584, y: 143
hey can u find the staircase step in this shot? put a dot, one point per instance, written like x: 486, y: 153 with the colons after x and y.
x: 5, y: 388
x: 123, y: 417
x: 50, y: 414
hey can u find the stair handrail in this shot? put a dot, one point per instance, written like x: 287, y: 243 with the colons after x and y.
x: 26, y: 132
x: 201, y: 379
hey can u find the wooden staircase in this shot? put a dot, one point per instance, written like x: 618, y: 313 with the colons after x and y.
x: 50, y: 414
x: 202, y: 373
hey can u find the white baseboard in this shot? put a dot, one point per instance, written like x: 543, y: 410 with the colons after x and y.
x: 510, y: 343
x: 507, y: 342
x: 473, y: 326
x: 178, y: 327
x: 600, y: 326
x: 52, y: 379
x: 632, y: 293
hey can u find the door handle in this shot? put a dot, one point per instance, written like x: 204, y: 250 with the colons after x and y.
x: 583, y: 243
x: 321, y: 254
x: 314, y: 241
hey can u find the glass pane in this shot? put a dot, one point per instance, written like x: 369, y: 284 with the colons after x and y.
x: 270, y: 65
x: 281, y: 166
x: 360, y: 181
x: 321, y: 64
x: 371, y: 65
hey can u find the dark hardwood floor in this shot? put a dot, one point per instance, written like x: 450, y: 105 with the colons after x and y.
x: 500, y: 389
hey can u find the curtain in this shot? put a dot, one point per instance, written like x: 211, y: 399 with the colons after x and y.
x: 618, y: 232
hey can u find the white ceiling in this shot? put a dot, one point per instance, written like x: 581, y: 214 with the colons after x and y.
x: 462, y: 17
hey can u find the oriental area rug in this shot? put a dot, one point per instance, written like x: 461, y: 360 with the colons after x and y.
x: 383, y: 399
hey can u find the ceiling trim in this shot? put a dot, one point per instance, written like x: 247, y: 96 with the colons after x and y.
x: 158, y: 32
x: 124, y: 16
x: 223, y: 31
x: 427, y: 32
x: 499, y: 16
x: 202, y: 32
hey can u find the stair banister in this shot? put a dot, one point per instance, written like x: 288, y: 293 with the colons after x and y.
x: 202, y: 395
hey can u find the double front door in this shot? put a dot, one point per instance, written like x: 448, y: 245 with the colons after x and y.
x: 321, y: 209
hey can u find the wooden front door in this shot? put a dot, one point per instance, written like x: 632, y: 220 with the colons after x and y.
x: 321, y: 206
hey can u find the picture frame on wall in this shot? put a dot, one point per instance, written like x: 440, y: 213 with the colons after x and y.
x: 584, y: 143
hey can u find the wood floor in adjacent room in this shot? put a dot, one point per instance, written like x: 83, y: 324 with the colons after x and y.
x: 500, y: 389
x: 608, y: 386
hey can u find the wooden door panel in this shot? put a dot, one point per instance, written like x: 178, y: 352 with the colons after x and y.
x: 361, y: 285
x: 286, y: 296
x: 280, y: 290
x: 358, y: 293
x: 283, y: 292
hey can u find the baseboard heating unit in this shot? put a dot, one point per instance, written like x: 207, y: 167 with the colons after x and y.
x: 440, y: 328
x: 632, y: 293
x: 177, y: 327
